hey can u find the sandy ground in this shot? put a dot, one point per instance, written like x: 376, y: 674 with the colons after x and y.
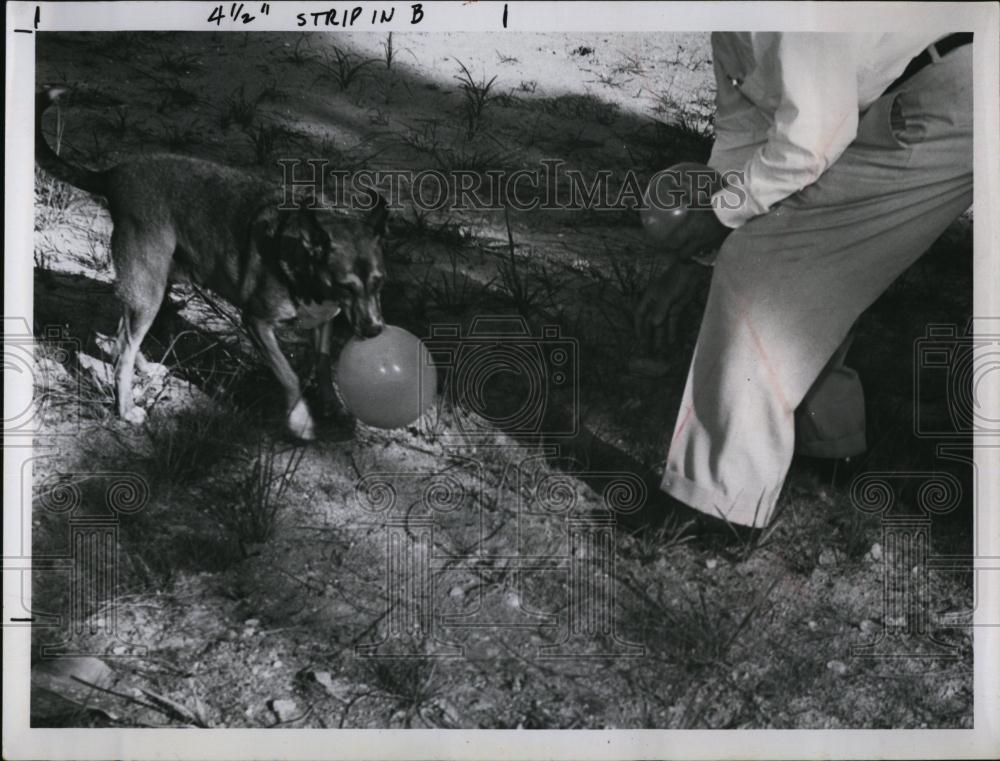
x: 221, y: 623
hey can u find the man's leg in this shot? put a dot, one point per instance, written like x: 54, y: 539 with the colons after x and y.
x: 789, y: 285
x: 830, y: 421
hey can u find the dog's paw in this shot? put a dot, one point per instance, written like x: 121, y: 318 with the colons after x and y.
x: 135, y: 416
x: 330, y: 407
x: 300, y: 422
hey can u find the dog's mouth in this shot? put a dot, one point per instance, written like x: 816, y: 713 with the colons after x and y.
x: 369, y: 331
x: 365, y: 316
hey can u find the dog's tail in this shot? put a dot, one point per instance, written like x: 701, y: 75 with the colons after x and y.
x: 52, y: 162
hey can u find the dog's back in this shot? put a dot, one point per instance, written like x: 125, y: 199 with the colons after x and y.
x: 205, y: 206
x: 192, y: 211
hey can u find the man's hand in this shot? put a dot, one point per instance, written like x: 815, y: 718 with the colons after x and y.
x: 687, y: 226
x: 701, y: 233
x: 662, y: 304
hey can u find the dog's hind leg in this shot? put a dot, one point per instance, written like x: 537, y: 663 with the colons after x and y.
x: 132, y: 329
x: 299, y: 421
x: 142, y: 264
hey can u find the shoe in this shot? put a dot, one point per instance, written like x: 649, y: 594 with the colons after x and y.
x: 660, y: 509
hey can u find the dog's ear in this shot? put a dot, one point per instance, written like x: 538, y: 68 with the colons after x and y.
x: 288, y: 232
x: 303, y: 226
x: 379, y: 213
x: 266, y: 224
x: 298, y: 246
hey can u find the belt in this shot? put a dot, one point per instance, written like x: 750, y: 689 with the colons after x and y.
x: 932, y: 54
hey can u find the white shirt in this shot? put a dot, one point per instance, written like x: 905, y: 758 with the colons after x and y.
x: 788, y: 105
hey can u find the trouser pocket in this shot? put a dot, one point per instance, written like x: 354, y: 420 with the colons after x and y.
x: 884, y: 124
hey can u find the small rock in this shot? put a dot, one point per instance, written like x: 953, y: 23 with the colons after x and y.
x: 711, y: 563
x: 456, y: 592
x: 868, y: 626
x: 252, y: 623
x: 828, y: 557
x: 876, y: 552
x: 340, y: 689
x: 119, y: 650
x: 837, y: 667
x: 449, y: 710
x: 283, y: 709
x: 813, y: 626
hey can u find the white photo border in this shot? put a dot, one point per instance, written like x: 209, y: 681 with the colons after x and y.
x: 22, y: 742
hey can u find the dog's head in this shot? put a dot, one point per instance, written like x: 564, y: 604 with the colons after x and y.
x: 328, y: 256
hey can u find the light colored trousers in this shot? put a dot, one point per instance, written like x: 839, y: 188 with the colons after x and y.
x: 789, y: 285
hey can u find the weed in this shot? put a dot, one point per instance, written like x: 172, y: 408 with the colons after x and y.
x: 408, y: 684
x: 174, y: 95
x: 476, y: 97
x: 250, y: 507
x: 265, y: 139
x: 528, y: 86
x: 456, y: 292
x: 524, y: 291
x: 423, y: 140
x: 298, y: 55
x: 186, y: 446
x: 470, y: 158
x: 53, y: 201
x: 631, y: 64
x: 177, y: 137
x: 582, y: 108
x: 694, y: 115
x: 344, y: 67
x: 272, y: 92
x: 238, y: 108
x: 389, y: 51
x: 118, y: 120
x: 648, y: 546
x: 178, y: 63
x: 501, y: 58
x: 612, y: 80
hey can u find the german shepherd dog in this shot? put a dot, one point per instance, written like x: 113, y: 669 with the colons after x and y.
x: 186, y: 219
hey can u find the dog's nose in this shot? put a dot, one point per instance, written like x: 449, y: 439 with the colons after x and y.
x: 372, y: 329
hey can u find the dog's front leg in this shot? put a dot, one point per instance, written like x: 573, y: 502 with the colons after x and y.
x: 322, y: 342
x: 299, y: 421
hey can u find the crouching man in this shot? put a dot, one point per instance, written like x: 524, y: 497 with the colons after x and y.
x: 845, y: 157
